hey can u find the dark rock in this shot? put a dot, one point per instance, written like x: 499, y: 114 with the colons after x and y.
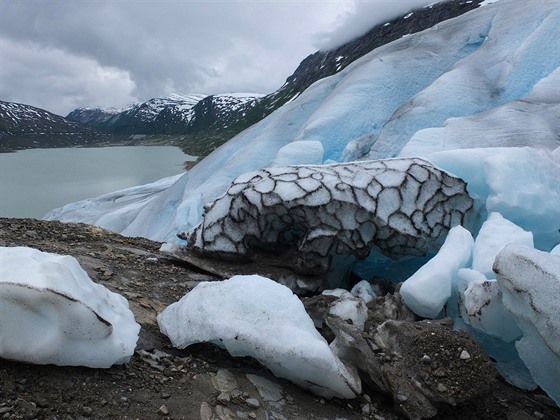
x: 390, y: 356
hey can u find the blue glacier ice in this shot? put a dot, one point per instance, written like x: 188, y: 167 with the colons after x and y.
x: 479, y: 97
x: 477, y: 68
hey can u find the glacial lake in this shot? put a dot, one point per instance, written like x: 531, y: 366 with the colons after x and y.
x: 36, y: 181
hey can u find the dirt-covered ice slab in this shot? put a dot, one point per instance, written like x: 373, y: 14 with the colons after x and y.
x: 400, y: 207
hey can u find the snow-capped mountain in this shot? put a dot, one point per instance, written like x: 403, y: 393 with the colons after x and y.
x: 95, y: 116
x: 23, y: 126
x: 172, y: 114
x: 221, y: 111
x: 140, y: 118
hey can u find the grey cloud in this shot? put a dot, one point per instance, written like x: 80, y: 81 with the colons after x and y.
x: 362, y: 17
x: 52, y: 79
x: 63, y: 54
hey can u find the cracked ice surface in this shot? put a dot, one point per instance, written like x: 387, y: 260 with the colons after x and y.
x: 401, y: 206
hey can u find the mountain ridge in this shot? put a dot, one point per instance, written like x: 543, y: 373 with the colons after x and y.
x: 206, y: 129
x: 25, y: 126
x: 200, y: 123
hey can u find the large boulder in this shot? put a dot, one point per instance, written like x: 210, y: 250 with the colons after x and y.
x: 421, y: 365
x: 402, y: 207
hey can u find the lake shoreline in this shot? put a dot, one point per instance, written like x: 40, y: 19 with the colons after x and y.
x: 116, y: 141
x: 36, y: 181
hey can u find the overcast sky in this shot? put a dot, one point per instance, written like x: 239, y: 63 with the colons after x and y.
x: 59, y: 55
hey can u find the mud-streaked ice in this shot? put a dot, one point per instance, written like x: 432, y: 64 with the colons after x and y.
x: 255, y: 316
x: 51, y: 312
x: 530, y: 283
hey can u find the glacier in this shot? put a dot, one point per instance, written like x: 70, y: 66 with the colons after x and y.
x: 478, y: 96
x: 481, y: 68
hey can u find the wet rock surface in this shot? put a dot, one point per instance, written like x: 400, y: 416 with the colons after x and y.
x: 202, y: 381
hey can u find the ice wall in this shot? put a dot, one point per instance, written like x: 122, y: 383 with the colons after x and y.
x: 494, y: 69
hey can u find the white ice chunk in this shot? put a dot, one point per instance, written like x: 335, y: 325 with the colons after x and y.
x: 496, y: 232
x: 350, y: 309
x: 255, y: 316
x: 482, y: 306
x: 429, y: 289
x: 52, y: 313
x: 530, y: 283
x: 364, y: 291
x: 341, y: 293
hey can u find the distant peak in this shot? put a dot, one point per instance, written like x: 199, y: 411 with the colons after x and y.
x: 241, y: 95
x: 184, y: 97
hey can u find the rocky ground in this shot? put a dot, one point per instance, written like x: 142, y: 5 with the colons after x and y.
x: 204, y: 382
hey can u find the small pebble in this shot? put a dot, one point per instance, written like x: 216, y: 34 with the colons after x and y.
x: 401, y: 397
x: 365, y: 409
x: 426, y: 359
x: 465, y: 355
x: 205, y: 411
x: 253, y: 402
x: 441, y: 388
x: 224, y: 397
x: 163, y: 410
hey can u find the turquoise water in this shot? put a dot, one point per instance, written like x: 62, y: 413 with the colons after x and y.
x: 35, y: 181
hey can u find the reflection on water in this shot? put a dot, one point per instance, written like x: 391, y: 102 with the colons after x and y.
x: 35, y: 181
